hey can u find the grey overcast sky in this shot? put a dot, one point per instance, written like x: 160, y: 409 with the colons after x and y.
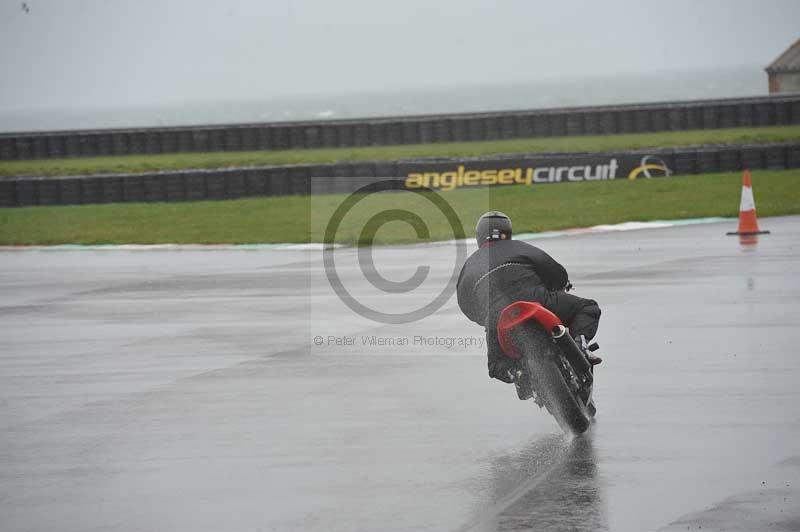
x: 59, y: 53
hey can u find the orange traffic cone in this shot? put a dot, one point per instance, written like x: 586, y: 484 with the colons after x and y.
x: 748, y: 223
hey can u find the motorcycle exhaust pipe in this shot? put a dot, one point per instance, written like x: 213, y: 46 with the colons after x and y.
x: 573, y: 353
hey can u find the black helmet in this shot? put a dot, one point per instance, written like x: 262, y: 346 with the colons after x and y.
x: 493, y: 225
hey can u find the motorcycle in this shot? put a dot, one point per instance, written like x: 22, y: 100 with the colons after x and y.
x: 556, y: 371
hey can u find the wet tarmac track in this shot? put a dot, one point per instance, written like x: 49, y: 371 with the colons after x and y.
x: 184, y: 390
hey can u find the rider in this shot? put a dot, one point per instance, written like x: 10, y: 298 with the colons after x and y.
x: 503, y: 271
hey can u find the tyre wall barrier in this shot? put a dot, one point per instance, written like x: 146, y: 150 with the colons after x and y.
x: 599, y: 120
x: 443, y: 174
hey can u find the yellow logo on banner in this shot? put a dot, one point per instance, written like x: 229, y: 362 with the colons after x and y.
x: 650, y: 163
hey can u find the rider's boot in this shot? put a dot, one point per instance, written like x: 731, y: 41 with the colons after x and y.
x: 593, y: 359
x: 589, y: 350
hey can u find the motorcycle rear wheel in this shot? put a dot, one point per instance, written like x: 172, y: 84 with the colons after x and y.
x: 543, y: 358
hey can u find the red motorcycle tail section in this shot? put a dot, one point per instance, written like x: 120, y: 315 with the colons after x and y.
x: 518, y: 313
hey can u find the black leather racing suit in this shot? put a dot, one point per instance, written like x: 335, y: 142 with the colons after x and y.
x: 504, y: 271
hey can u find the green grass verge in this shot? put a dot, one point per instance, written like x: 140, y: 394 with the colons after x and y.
x: 176, y: 161
x: 303, y: 219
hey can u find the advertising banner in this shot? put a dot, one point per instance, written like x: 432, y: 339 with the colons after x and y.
x: 535, y: 170
x: 424, y: 174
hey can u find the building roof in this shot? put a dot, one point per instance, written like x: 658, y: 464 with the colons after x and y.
x: 788, y: 61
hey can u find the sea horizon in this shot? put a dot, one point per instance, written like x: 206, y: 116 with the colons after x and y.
x: 483, y: 96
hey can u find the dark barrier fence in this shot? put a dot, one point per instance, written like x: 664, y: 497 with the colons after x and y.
x: 434, y: 173
x: 603, y: 120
